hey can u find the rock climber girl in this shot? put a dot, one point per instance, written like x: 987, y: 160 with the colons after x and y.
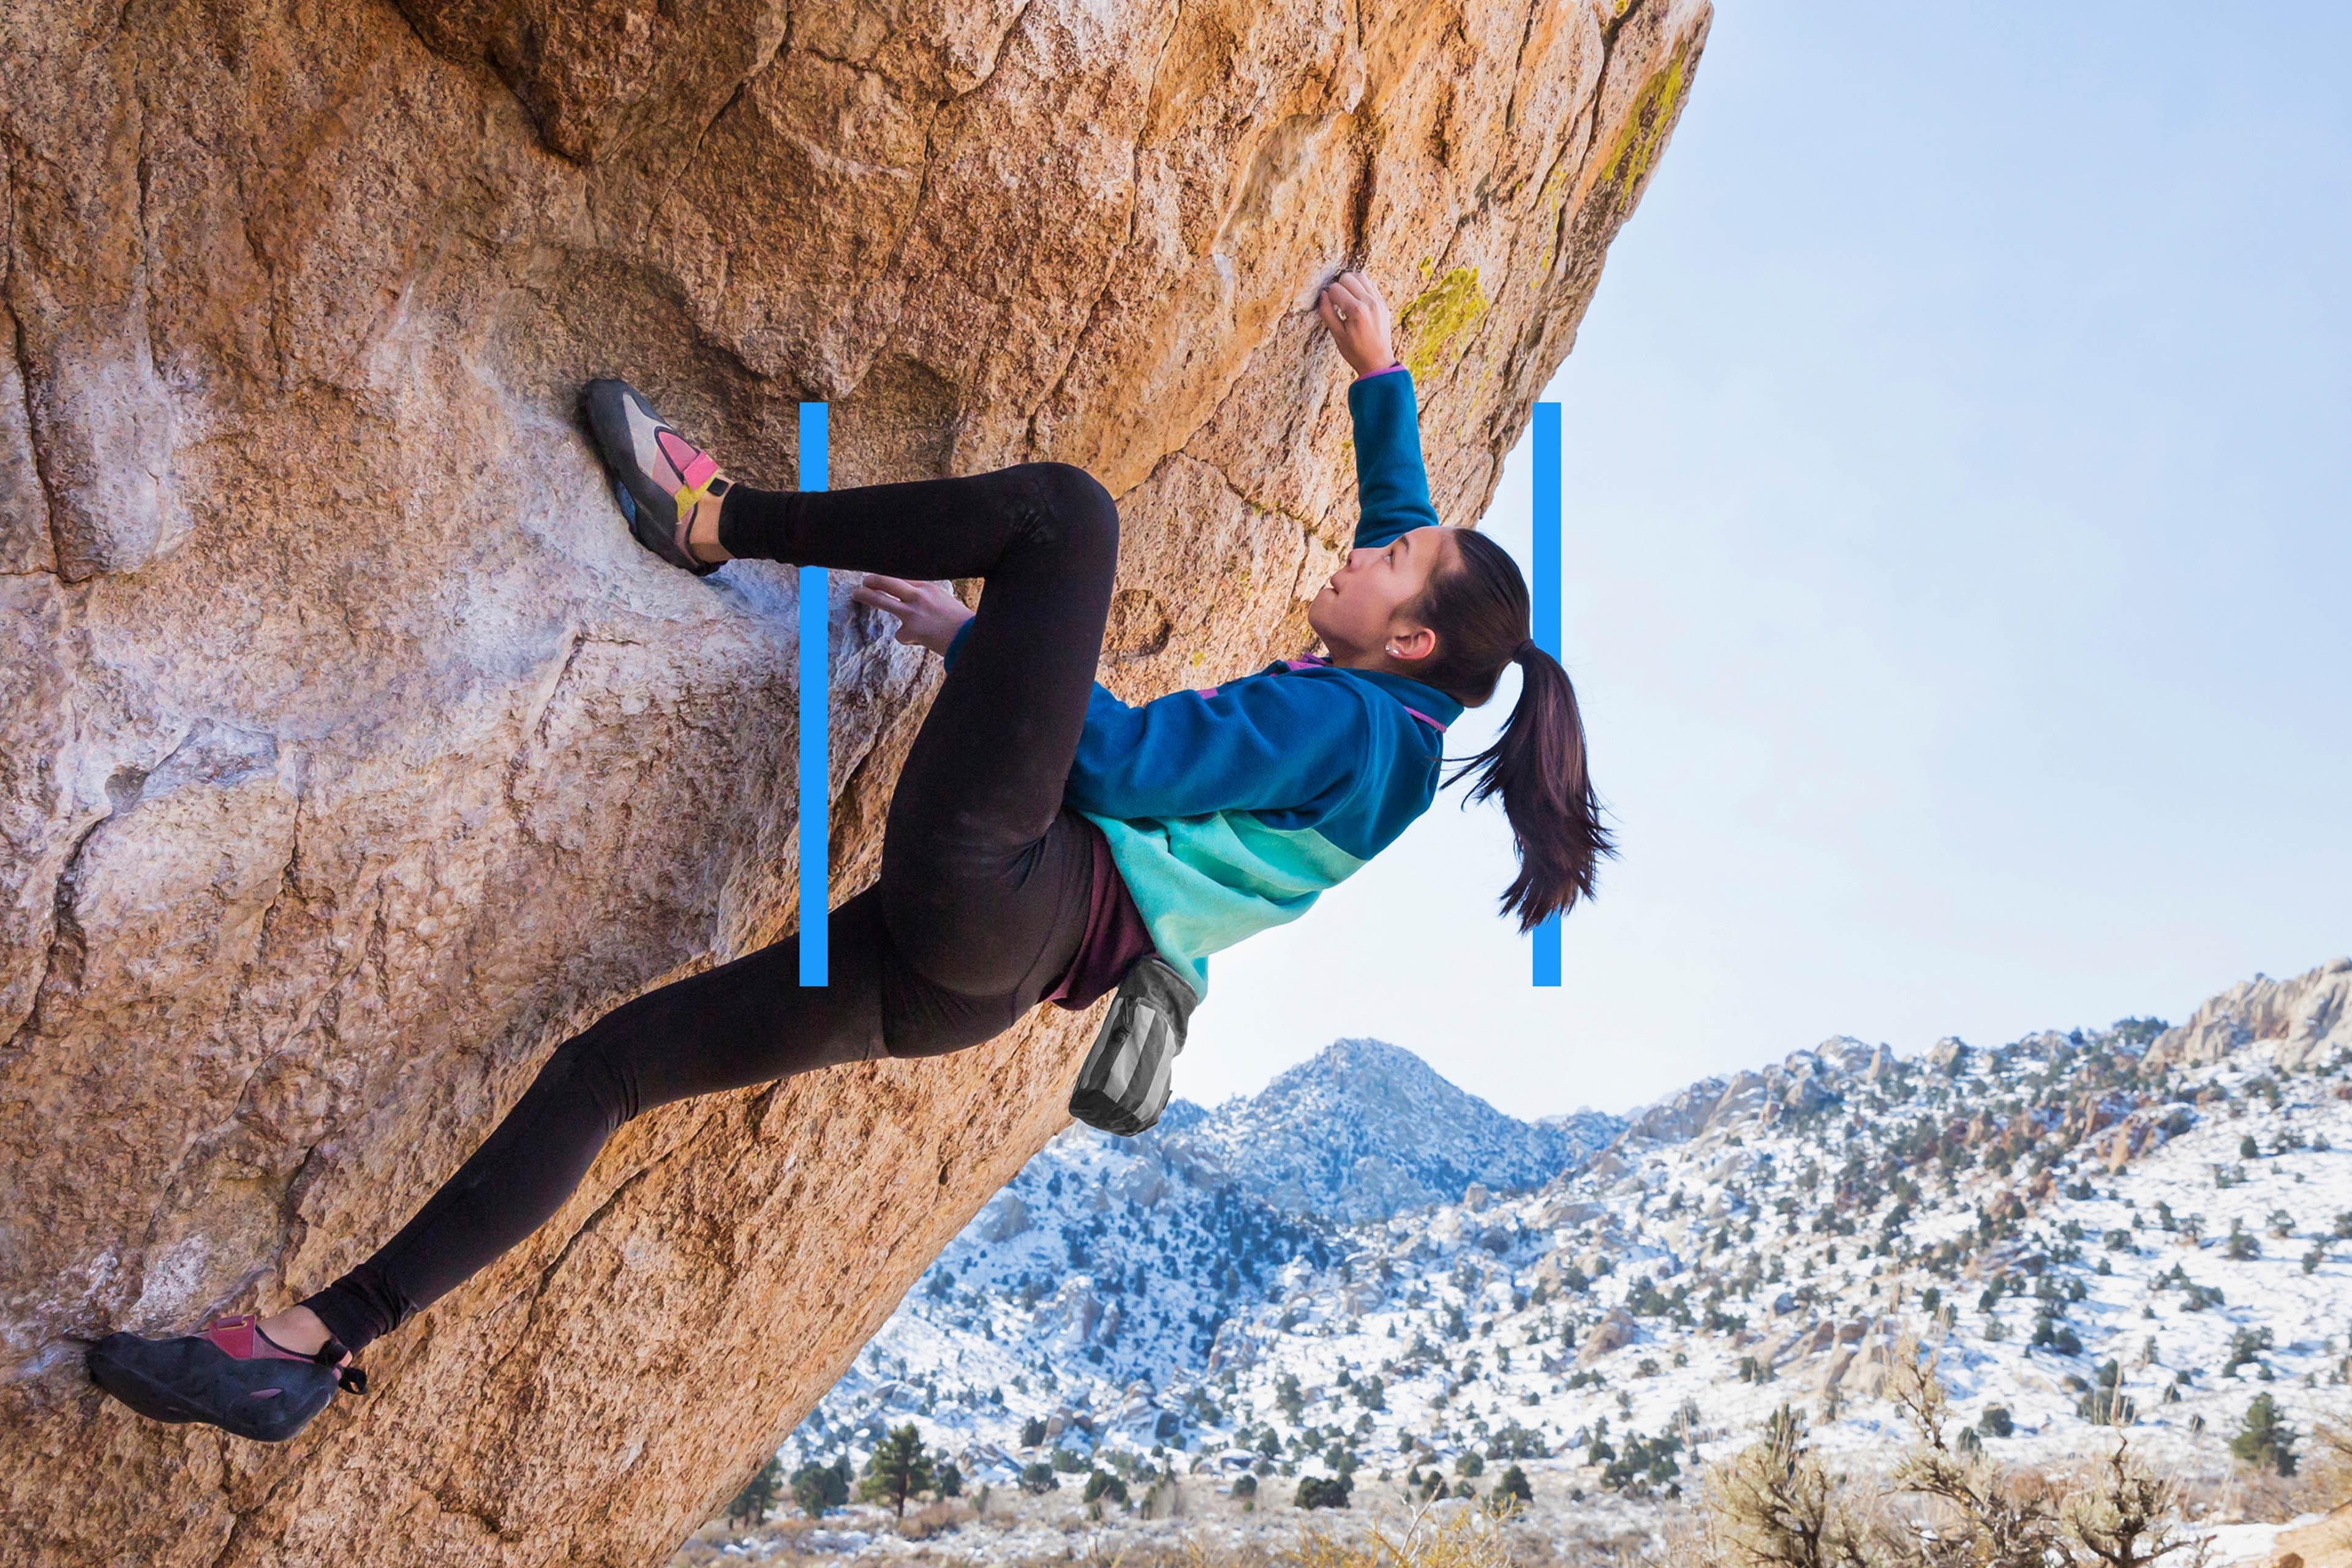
x: 1044, y: 837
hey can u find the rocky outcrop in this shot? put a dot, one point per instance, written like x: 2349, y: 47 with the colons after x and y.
x: 1803, y: 1082
x: 2304, y: 1021
x: 351, y: 754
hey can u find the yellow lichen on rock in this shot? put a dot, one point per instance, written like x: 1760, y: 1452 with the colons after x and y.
x: 1435, y: 317
x: 1635, y: 148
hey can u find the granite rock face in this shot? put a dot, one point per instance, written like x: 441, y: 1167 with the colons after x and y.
x: 351, y: 754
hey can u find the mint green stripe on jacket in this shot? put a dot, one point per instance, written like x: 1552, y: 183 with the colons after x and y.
x: 1203, y: 883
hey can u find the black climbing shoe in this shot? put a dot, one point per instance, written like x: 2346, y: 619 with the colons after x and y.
x: 228, y: 1374
x: 659, y: 476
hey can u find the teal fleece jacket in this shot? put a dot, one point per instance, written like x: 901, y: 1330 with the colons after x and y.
x: 1230, y: 808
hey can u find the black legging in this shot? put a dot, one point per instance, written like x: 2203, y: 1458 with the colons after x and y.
x: 979, y: 907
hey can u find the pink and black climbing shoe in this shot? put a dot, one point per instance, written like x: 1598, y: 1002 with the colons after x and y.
x: 659, y: 476
x: 229, y: 1373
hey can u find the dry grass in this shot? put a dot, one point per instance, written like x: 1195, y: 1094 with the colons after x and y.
x: 932, y: 1519
x: 2327, y: 1468
x: 1452, y: 1535
x: 1474, y: 1537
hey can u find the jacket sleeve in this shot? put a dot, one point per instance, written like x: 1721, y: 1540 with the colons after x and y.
x: 1265, y: 743
x: 1391, y: 485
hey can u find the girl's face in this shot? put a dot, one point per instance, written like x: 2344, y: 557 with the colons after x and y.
x: 1358, y: 614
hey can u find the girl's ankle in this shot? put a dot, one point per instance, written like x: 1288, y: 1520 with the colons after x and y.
x: 702, y: 530
x: 296, y: 1329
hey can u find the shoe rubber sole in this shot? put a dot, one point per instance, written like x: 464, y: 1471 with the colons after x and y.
x: 189, y: 1378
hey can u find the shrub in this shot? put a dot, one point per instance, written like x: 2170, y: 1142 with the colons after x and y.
x: 1039, y: 1478
x: 2048, y: 1330
x: 1514, y: 1484
x: 816, y: 1488
x: 1100, y: 1484
x: 1470, y: 1465
x: 2245, y: 1345
x: 1319, y: 1491
x: 1033, y: 1431
x: 1774, y: 1503
x: 1996, y: 1421
x: 1246, y: 1485
x: 2107, y: 1408
x: 1645, y: 1462
x: 1517, y: 1442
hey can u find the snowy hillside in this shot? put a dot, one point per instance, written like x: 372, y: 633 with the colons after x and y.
x: 2118, y: 1223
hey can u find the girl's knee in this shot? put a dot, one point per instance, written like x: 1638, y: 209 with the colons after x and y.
x: 1085, y: 515
x: 597, y: 1063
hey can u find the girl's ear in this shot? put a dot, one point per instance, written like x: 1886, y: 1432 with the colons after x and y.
x: 1412, y: 642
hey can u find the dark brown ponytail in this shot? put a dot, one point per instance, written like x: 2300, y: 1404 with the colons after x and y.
x: 1479, y: 609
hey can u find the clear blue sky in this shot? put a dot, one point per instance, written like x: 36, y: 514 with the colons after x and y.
x: 1958, y: 584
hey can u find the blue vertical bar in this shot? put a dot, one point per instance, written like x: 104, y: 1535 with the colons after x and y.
x: 1546, y: 618
x: 817, y: 678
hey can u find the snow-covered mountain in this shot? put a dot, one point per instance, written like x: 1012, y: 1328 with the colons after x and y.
x: 1366, y: 1129
x: 2131, y: 1221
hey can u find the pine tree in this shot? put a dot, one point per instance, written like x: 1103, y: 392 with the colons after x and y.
x: 899, y: 1469
x: 759, y: 1494
x: 2265, y: 1442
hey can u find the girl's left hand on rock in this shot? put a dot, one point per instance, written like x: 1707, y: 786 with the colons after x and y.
x: 1364, y: 337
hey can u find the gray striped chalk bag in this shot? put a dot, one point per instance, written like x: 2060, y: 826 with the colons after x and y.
x: 1123, y: 1087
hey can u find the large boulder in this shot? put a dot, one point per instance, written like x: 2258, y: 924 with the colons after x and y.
x: 351, y: 755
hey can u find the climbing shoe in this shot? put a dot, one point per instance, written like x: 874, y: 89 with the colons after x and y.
x: 657, y: 475
x: 1123, y: 1084
x: 229, y: 1373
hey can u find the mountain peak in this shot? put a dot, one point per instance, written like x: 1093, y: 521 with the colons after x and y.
x: 1365, y: 1129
